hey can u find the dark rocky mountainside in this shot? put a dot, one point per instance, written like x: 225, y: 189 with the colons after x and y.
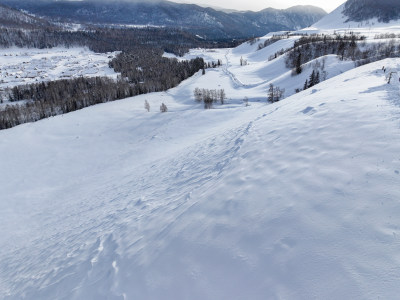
x: 206, y: 22
x: 12, y: 18
x: 362, y: 10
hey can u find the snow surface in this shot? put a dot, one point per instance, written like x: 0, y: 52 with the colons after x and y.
x: 295, y: 200
x: 336, y: 21
x: 253, y: 79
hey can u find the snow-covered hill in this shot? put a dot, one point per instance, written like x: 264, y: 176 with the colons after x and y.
x: 294, y: 200
x: 253, y: 78
x: 338, y: 21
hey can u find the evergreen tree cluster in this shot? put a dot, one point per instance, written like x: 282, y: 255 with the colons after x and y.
x: 313, y: 80
x: 147, y: 69
x: 108, y: 39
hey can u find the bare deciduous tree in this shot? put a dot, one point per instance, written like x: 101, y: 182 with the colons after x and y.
x: 163, y: 108
x: 146, y: 105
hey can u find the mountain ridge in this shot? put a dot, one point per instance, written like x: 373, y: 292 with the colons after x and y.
x: 13, y: 18
x: 353, y: 14
x: 362, y: 10
x: 193, y: 18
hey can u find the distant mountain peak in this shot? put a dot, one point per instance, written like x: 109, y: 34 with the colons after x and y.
x: 310, y: 8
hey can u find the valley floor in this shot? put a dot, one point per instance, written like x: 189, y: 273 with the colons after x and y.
x: 293, y: 200
x: 21, y: 66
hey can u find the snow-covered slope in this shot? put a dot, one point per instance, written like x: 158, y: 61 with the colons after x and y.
x: 12, y: 18
x: 337, y: 21
x: 254, y: 78
x: 295, y: 200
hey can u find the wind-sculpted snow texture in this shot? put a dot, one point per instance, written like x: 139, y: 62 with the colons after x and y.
x: 294, y: 200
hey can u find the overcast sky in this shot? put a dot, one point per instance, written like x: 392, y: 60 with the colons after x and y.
x: 257, y: 5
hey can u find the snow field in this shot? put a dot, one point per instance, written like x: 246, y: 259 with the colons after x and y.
x: 295, y: 200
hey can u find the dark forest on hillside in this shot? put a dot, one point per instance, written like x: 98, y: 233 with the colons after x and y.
x: 362, y: 10
x: 109, y: 39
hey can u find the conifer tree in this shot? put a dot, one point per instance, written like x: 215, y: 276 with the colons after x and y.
x: 298, y: 64
x: 305, y: 85
x: 311, y: 81
x: 317, y: 79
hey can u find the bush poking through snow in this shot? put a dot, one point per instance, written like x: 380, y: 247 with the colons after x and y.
x: 163, y: 108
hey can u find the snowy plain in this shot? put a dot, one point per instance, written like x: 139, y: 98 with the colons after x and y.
x: 293, y: 200
x: 20, y: 66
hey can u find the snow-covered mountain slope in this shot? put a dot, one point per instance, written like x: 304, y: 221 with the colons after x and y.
x: 383, y: 10
x: 294, y: 200
x: 201, y: 21
x: 337, y: 21
x: 12, y: 18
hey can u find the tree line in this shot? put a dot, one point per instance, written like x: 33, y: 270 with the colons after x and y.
x: 142, y: 68
x: 146, y: 67
x: 109, y: 39
x: 347, y: 47
x: 311, y: 47
x: 53, y: 98
x: 272, y: 40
